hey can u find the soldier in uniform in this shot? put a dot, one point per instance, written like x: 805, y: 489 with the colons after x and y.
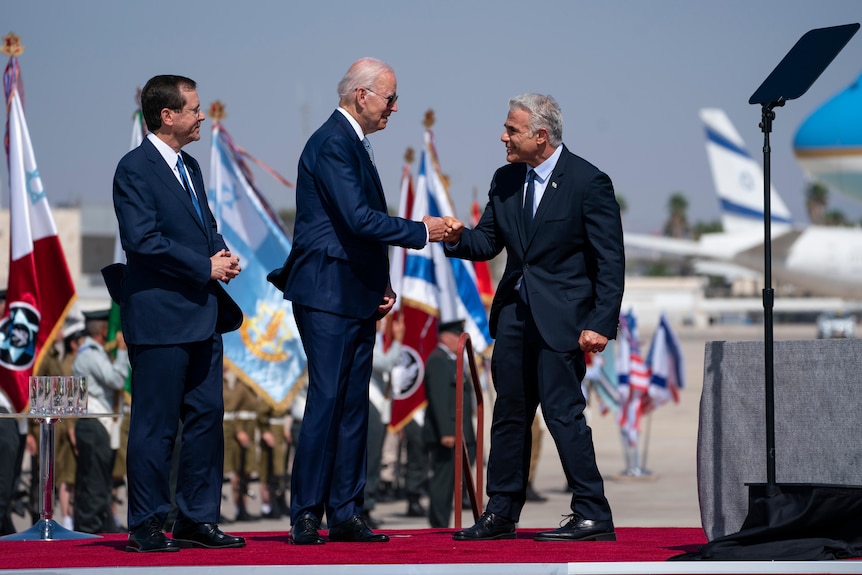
x: 96, y: 439
x: 274, y: 439
x: 440, y: 424
x: 240, y: 426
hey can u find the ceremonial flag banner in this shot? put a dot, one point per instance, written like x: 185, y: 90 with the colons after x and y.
x: 435, y: 288
x: 420, y: 329
x: 665, y: 362
x: 633, y: 378
x: 397, y: 254
x: 266, y: 352
x: 40, y: 290
x: 482, y: 269
x: 600, y: 380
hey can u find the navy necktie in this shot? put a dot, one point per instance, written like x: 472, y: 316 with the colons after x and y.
x: 529, y: 200
x: 184, y: 177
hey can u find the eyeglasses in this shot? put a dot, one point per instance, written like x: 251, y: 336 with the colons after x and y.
x: 196, y: 112
x: 390, y: 99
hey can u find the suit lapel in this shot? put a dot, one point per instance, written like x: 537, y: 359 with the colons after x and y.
x: 193, y: 169
x: 369, y: 166
x: 519, y: 210
x: 364, y: 158
x: 166, y: 175
x: 555, y: 181
x: 551, y: 190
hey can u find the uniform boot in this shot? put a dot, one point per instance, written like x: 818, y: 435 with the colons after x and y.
x: 414, y: 507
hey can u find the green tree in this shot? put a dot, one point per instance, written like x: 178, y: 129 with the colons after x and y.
x: 816, y: 198
x: 835, y: 218
x: 621, y: 200
x: 701, y: 228
x: 677, y: 223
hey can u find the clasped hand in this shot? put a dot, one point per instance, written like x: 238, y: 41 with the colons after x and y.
x: 225, y: 266
x: 446, y: 229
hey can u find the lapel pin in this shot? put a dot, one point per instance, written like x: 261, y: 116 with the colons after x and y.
x: 554, y: 184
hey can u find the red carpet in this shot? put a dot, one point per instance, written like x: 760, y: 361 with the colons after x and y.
x: 417, y: 547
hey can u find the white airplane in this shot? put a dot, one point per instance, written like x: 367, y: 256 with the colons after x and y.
x: 825, y: 261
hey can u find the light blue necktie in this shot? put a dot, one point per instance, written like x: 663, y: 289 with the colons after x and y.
x: 184, y: 177
x: 368, y: 149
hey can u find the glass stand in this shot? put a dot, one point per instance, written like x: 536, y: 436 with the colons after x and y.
x: 46, y: 529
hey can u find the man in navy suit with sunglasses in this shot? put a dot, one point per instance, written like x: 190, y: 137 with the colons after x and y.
x: 337, y: 276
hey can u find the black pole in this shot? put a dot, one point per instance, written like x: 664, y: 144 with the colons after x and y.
x: 767, y: 115
x: 789, y: 80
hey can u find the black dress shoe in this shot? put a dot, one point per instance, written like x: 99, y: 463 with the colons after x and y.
x: 304, y: 531
x: 355, y: 530
x: 579, y: 529
x: 149, y: 537
x: 206, y: 535
x: 489, y: 526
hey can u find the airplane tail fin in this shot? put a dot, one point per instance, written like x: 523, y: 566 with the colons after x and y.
x: 738, y: 177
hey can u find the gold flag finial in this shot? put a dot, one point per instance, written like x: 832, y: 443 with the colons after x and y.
x: 217, y: 112
x: 12, y: 45
x: 409, y: 155
x: 429, y: 118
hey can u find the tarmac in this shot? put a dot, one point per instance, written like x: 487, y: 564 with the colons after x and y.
x: 665, y: 495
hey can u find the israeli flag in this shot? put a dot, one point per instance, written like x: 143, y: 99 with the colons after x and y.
x: 444, y: 287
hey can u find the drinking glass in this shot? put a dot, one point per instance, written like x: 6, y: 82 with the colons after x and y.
x: 81, y: 395
x: 32, y: 389
x: 70, y: 393
x: 44, y: 395
x: 58, y: 388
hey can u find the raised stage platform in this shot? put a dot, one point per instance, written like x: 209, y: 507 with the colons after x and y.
x: 419, y: 552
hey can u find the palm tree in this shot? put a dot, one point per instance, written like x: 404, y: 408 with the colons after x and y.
x: 816, y: 198
x: 677, y: 224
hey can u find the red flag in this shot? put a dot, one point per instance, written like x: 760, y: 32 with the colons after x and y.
x: 420, y: 331
x: 483, y: 272
x: 40, y: 290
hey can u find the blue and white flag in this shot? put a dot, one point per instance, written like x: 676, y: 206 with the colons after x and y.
x: 665, y: 362
x: 266, y: 352
x: 444, y: 287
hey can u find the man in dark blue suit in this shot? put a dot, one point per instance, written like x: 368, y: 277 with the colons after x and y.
x: 556, y: 216
x: 337, y: 276
x: 173, y: 314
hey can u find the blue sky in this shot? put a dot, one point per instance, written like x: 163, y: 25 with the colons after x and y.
x: 630, y: 77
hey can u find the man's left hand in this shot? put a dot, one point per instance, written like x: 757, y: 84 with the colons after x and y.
x: 592, y: 342
x: 386, y: 306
